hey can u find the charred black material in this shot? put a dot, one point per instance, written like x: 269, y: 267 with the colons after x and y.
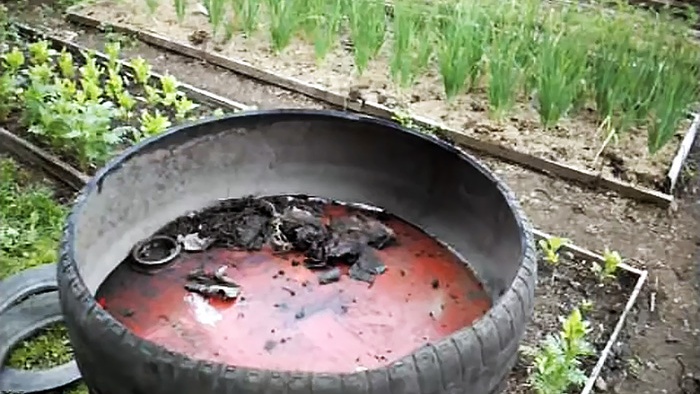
x: 213, y: 284
x: 291, y: 223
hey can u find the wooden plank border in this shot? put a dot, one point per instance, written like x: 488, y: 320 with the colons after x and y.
x: 31, y: 154
x: 191, y: 91
x: 686, y: 145
x: 582, y: 176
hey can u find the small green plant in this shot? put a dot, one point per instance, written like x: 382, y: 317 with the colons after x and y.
x: 367, y: 29
x: 115, y: 84
x: 153, y: 124
x: 40, y: 52
x: 462, y: 38
x: 66, y: 65
x: 556, y: 363
x: 183, y: 107
x: 550, y: 247
x: 142, y: 70
x: 112, y: 50
x: 504, y: 72
x: 216, y: 9
x: 180, y: 10
x: 152, y: 95
x: 328, y: 17
x: 126, y: 103
x: 284, y: 22
x: 168, y: 85
x: 561, y: 72
x: 247, y: 14
x: 413, y: 42
x: 611, y: 262
x: 13, y: 61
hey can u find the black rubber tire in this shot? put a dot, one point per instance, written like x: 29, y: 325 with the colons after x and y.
x: 26, y: 283
x: 20, y: 322
x: 473, y: 360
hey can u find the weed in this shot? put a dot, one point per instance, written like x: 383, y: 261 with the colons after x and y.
x: 30, y: 221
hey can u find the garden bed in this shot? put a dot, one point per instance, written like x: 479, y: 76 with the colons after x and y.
x: 84, y: 106
x: 572, y: 283
x: 569, y: 147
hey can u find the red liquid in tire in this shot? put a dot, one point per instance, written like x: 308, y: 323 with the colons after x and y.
x: 285, y: 320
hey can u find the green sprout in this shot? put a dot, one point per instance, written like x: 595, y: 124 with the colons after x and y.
x: 551, y: 247
x: 611, y: 262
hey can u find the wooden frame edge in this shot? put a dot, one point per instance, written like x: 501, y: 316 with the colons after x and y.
x: 683, y: 150
x: 590, y: 383
x: 52, y: 165
x: 586, y: 177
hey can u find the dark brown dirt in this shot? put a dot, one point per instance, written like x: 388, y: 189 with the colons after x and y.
x: 664, y: 242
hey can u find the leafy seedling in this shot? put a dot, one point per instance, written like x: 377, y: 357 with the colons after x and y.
x: 40, y: 52
x: 550, y: 247
x: 113, y: 49
x: 152, y: 95
x: 13, y: 60
x: 169, y: 85
x: 611, y: 262
x: 153, y: 124
x: 556, y: 363
x: 183, y: 106
x: 142, y: 70
x: 66, y: 65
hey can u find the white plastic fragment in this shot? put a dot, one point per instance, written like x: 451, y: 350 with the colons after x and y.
x: 193, y: 243
x: 201, y: 9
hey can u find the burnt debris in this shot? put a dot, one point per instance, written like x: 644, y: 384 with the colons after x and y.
x: 213, y: 284
x: 288, y: 224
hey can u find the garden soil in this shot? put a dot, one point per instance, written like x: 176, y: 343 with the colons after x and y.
x: 664, y: 341
x: 574, y: 142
